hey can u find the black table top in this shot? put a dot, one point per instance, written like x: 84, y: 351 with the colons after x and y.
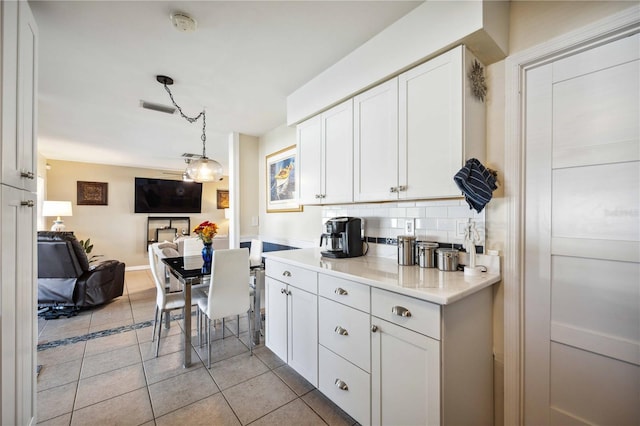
x: 185, y: 266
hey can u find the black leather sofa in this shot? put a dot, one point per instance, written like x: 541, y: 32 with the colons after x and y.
x: 65, y: 278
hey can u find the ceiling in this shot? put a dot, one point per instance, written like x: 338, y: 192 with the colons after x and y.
x: 98, y: 60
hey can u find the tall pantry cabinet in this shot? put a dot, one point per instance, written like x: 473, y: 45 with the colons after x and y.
x: 18, y: 119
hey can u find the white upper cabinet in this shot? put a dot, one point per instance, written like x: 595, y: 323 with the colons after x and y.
x: 325, y: 153
x: 414, y: 132
x: 19, y: 101
x: 441, y: 125
x: 376, y: 143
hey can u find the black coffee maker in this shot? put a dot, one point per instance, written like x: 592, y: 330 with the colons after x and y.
x: 342, y: 237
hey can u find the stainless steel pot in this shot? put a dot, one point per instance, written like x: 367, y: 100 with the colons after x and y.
x: 447, y: 259
x: 426, y: 254
x: 406, y: 250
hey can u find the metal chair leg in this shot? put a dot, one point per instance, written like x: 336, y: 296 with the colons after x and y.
x: 250, y: 333
x: 160, y: 332
x: 209, y: 342
x: 223, y: 328
x: 155, y: 323
x: 238, y: 322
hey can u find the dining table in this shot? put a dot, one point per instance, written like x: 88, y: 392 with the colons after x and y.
x: 188, y: 270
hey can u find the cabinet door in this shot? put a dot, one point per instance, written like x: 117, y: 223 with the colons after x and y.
x: 337, y: 156
x: 405, y: 376
x: 376, y: 143
x: 309, y: 136
x: 303, y: 333
x: 19, y: 101
x: 276, y: 317
x: 431, y: 127
x: 18, y: 306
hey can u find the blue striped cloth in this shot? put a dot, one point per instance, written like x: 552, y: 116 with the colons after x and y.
x: 476, y: 183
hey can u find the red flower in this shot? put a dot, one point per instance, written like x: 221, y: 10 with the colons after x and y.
x: 206, y: 231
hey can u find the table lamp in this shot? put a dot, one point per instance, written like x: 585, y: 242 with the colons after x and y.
x: 57, y: 209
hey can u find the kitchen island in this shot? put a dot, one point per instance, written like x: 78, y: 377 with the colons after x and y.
x: 389, y: 344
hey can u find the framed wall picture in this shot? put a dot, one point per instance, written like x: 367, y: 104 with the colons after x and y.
x: 93, y: 193
x: 282, y: 181
x: 222, y: 196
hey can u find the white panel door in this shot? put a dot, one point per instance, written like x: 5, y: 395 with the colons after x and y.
x: 375, y: 118
x: 582, y: 238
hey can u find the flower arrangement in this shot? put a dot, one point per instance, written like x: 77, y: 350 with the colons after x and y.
x: 206, y: 231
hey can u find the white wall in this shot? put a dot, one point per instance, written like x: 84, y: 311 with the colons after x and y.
x: 298, y: 229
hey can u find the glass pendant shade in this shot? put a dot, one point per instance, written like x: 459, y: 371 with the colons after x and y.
x: 204, y: 170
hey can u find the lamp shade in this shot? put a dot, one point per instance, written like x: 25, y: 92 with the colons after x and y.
x: 204, y: 170
x: 57, y: 208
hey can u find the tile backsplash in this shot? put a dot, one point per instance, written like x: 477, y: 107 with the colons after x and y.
x: 442, y: 221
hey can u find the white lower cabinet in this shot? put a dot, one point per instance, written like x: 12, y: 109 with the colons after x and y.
x: 346, y: 385
x: 405, y: 376
x: 383, y: 357
x: 292, y: 317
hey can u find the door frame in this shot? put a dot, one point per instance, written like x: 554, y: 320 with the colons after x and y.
x: 616, y: 26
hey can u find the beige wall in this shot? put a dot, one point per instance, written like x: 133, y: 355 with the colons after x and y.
x: 115, y: 230
x: 293, y: 228
x: 249, y: 193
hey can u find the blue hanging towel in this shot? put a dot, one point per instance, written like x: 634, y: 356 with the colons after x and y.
x: 476, y: 183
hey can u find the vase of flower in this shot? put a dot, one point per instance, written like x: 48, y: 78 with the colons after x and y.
x: 206, y: 231
x: 207, y: 256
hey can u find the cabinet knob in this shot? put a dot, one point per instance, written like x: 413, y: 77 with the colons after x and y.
x: 341, y: 331
x: 341, y: 385
x: 341, y: 291
x: 29, y: 203
x: 286, y: 274
x: 283, y: 291
x: 374, y: 328
x: 317, y: 196
x: 400, y: 311
x: 402, y: 188
x: 28, y: 175
x: 393, y: 189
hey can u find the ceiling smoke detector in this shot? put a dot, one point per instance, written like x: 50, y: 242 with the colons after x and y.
x: 183, y: 22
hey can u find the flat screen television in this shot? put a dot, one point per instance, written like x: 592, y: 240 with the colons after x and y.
x: 167, y: 196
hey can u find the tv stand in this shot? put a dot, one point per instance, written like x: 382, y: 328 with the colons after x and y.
x: 160, y: 228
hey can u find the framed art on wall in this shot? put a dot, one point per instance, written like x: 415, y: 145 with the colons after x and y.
x: 282, y: 181
x: 93, y: 193
x: 222, y: 197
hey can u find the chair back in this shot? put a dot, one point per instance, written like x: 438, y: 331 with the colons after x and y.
x: 192, y: 247
x: 229, y: 286
x: 155, y: 272
x: 255, y: 254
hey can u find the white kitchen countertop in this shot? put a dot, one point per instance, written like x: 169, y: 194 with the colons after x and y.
x: 428, y: 284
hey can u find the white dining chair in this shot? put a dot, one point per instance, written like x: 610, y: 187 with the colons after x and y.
x: 228, y: 291
x: 171, y: 300
x: 255, y: 253
x: 192, y: 247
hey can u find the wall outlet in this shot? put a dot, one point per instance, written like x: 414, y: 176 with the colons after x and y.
x: 410, y: 226
x: 461, y: 227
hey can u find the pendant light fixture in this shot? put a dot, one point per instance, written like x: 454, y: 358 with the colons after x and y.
x: 202, y: 169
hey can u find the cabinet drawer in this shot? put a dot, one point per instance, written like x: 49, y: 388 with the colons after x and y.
x: 343, y: 291
x: 345, y: 331
x: 355, y: 397
x: 424, y: 316
x: 297, y: 277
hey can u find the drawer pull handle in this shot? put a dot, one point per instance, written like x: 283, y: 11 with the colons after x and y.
x: 286, y: 274
x: 341, y: 385
x: 341, y: 331
x: 341, y: 291
x: 400, y: 311
x: 28, y: 175
x: 374, y: 328
x: 283, y: 291
x: 29, y: 203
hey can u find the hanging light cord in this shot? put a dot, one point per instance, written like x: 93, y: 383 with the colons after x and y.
x: 192, y: 120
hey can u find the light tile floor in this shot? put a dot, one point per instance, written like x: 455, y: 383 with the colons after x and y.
x: 116, y: 379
